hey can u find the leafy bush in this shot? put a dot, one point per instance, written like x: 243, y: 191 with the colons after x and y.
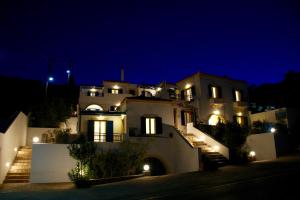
x: 126, y: 160
x: 62, y: 136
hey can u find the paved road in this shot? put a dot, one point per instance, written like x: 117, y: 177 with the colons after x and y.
x: 261, y: 180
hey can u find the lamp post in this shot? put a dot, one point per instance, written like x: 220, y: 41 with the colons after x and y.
x: 50, y: 79
x: 69, y: 74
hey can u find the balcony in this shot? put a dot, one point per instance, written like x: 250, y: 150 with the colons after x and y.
x: 240, y: 104
x: 102, y: 137
x: 216, y: 101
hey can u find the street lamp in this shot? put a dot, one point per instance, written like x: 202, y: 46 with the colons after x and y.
x: 50, y: 79
x: 69, y: 74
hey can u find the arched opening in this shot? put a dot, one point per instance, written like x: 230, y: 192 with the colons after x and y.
x: 157, y: 168
x: 215, y: 119
x: 94, y: 107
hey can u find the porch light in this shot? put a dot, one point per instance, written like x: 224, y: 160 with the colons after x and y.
x: 187, y: 86
x: 216, y: 112
x: 68, y: 71
x: 252, y: 154
x: 116, y: 87
x: 7, y: 164
x: 146, y: 168
x: 15, y: 149
x: 35, y: 139
x: 100, y: 117
x: 273, y: 130
x: 118, y: 104
x: 93, y: 90
x: 239, y: 114
x: 158, y: 89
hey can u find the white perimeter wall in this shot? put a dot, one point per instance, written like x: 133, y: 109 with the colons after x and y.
x: 50, y: 163
x: 263, y: 145
x: 15, y: 136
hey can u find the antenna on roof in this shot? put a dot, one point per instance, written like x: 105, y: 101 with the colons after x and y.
x: 122, y: 73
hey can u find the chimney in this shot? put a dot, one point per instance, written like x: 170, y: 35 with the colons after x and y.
x: 122, y: 73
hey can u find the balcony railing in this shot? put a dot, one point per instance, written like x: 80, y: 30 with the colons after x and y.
x: 117, y: 137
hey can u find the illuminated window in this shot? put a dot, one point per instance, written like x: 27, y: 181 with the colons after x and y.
x: 214, y: 92
x: 150, y: 125
x: 238, y: 96
x: 99, y: 131
x: 189, y: 94
x: 94, y: 107
x: 241, y: 120
x: 115, y: 91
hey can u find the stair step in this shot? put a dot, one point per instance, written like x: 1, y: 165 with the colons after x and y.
x: 16, y: 181
x: 16, y: 177
x: 18, y: 174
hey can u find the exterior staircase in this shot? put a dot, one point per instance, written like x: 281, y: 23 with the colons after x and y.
x: 20, y: 169
x: 211, y: 158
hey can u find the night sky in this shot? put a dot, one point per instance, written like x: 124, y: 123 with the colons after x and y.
x: 155, y: 40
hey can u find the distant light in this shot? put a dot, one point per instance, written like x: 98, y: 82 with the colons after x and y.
x: 50, y: 78
x: 239, y: 114
x: 146, y: 168
x: 35, y: 140
x: 273, y: 130
x: 7, y: 164
x: 252, y: 154
x: 216, y: 112
x: 68, y: 71
x: 15, y: 149
x: 158, y: 89
x: 187, y: 86
x: 118, y: 104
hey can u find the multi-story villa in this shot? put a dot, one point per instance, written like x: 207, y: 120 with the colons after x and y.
x: 119, y: 110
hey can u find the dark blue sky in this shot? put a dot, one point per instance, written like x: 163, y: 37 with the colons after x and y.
x: 156, y: 40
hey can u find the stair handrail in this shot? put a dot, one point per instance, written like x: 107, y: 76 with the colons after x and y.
x: 201, y: 136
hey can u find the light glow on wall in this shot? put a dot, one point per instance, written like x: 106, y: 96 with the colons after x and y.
x: 118, y: 104
x: 35, y: 139
x: 7, y: 164
x: 158, y: 89
x: 16, y: 149
x: 187, y: 86
x: 216, y: 112
x: 213, y: 120
x: 239, y: 114
x: 100, y: 117
x: 201, y: 139
x: 123, y: 116
x: 216, y: 148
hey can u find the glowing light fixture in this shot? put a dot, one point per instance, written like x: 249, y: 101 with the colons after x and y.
x: 252, y: 154
x: 273, y: 130
x: 7, y: 164
x: 216, y: 112
x: 239, y: 114
x: 118, y: 104
x: 93, y: 90
x: 35, y: 139
x: 16, y: 149
x: 158, y: 89
x: 50, y: 78
x: 187, y: 86
x: 146, y: 167
x: 100, y: 117
x: 68, y: 71
x: 116, y: 87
